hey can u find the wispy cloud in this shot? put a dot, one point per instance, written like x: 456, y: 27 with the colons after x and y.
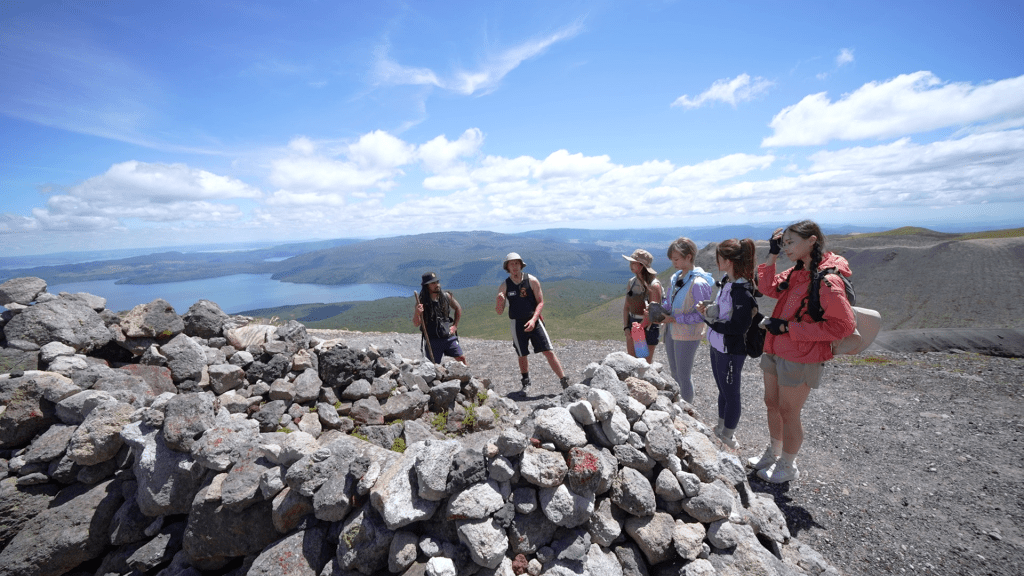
x: 845, y: 57
x: 732, y: 92
x: 907, y: 104
x: 482, y: 79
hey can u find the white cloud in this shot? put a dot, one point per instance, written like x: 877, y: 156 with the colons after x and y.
x: 438, y: 154
x: 845, y: 57
x: 739, y: 89
x: 155, y: 193
x: 718, y: 169
x: 486, y: 77
x: 561, y: 164
x: 907, y: 104
x: 378, y: 149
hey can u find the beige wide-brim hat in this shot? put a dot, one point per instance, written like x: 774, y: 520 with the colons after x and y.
x: 512, y: 256
x: 644, y: 258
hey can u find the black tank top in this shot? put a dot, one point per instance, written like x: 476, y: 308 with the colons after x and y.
x: 521, y: 300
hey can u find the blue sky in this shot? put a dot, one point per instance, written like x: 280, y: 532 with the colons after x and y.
x: 130, y: 124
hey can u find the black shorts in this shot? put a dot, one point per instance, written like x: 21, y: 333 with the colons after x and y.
x: 440, y: 347
x: 521, y: 339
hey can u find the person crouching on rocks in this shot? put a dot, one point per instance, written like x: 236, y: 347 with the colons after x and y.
x: 729, y: 318
x: 796, y: 347
x: 684, y: 326
x: 525, y: 302
x: 433, y: 315
x: 642, y: 289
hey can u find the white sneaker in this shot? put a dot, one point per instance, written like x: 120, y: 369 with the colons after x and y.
x: 766, y: 460
x: 779, y: 472
x: 731, y: 442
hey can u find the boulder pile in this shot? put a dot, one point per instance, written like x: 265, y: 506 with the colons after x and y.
x: 153, y: 443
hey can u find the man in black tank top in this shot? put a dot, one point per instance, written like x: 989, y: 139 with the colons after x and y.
x: 525, y: 302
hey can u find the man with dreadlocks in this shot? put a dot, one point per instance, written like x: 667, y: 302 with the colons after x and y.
x: 796, y: 346
x: 433, y: 314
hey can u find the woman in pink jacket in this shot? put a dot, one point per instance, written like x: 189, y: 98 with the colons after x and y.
x: 796, y: 346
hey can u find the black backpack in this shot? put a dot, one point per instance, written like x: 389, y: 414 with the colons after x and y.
x: 813, y: 299
x: 753, y: 340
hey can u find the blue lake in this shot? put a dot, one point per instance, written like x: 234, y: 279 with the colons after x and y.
x: 233, y: 294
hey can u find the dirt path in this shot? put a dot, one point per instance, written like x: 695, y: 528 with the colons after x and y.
x: 911, y: 464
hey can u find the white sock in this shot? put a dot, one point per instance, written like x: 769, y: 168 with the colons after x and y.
x: 776, y: 447
x: 721, y: 424
x: 788, y: 459
x: 728, y: 432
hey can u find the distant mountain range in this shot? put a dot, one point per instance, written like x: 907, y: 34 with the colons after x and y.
x: 464, y: 259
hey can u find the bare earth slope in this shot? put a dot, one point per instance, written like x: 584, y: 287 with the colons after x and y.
x: 912, y: 462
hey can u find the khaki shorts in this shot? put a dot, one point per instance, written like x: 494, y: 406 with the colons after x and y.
x: 792, y: 374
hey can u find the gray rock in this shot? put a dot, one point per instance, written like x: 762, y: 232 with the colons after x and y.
x: 408, y: 406
x: 73, y: 529
x: 50, y: 352
x: 156, y: 319
x: 185, y: 358
x: 187, y: 417
x: 158, y: 550
x: 364, y: 542
x: 667, y: 486
x: 226, y: 443
x: 367, y: 411
x: 442, y: 396
x: 250, y: 335
x: 749, y: 557
x: 558, y: 426
x: 631, y: 559
x: 606, y: 521
x: 18, y: 505
x: 269, y: 416
x: 653, y: 534
x: 216, y: 533
x: 28, y: 412
x: 307, y: 386
x: 304, y: 553
x: 703, y: 455
x: 204, y: 319
x: 49, y: 445
x: 333, y: 500
x: 294, y: 334
x: 129, y: 523
x: 632, y: 492
x: 629, y: 456
x: 328, y: 416
x: 603, y: 563
x: 402, y: 552
x: 22, y: 291
x: 242, y: 486
x: 564, y: 507
x: 616, y: 427
x: 543, y: 468
x: 167, y: 479
x: 395, y: 495
x: 289, y: 507
x: 688, y: 539
x: 225, y: 377
x: 486, y: 541
x: 476, y: 502
x: 433, y: 467
x: 713, y: 503
x: 98, y: 439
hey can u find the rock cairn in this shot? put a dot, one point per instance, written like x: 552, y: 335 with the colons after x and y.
x: 153, y: 443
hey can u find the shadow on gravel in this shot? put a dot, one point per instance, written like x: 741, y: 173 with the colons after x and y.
x: 797, y: 517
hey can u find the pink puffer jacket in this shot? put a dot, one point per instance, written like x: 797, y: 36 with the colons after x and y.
x: 807, y: 341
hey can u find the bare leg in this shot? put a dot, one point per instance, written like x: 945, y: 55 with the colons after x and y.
x: 629, y: 347
x: 771, y: 402
x: 791, y: 403
x: 556, y: 366
x: 650, y: 354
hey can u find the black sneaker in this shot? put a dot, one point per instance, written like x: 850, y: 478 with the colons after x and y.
x: 564, y: 381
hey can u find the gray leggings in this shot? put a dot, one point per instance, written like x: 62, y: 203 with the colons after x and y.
x: 680, y: 362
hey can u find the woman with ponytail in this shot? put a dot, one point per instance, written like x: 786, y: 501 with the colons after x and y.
x: 796, y: 346
x: 728, y: 319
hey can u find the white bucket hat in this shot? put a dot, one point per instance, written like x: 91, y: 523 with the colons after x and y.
x: 512, y: 256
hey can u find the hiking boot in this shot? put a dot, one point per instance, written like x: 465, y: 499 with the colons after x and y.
x: 766, y: 460
x: 779, y: 472
x: 564, y: 381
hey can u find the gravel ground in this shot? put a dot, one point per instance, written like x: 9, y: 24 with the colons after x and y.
x: 911, y: 463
